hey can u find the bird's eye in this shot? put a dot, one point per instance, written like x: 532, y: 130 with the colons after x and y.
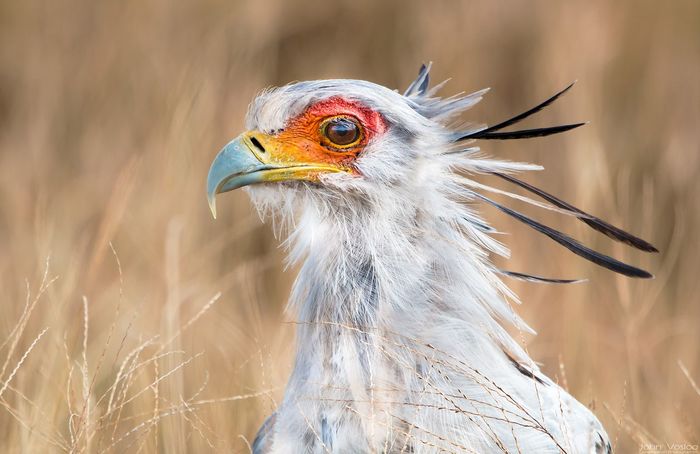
x: 341, y: 132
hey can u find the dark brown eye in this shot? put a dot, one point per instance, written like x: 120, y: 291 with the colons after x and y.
x: 341, y: 131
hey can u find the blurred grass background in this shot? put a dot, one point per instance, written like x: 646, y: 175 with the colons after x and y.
x: 110, y: 114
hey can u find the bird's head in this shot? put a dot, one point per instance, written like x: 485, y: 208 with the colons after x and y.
x: 331, y: 139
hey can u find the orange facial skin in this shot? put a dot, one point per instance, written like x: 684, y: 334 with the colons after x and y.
x: 325, y: 138
x: 303, y: 143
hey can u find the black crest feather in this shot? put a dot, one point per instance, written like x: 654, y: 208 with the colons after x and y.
x: 491, y: 133
x: 571, y: 244
x: 594, y: 222
x: 538, y: 279
x: 420, y: 84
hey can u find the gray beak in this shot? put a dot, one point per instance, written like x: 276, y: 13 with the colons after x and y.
x: 235, y: 166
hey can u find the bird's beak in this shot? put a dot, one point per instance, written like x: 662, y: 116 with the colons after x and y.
x: 255, y: 157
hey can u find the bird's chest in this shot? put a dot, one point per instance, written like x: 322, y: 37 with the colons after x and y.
x: 350, y: 392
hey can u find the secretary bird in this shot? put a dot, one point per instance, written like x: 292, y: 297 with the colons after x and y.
x: 401, y: 339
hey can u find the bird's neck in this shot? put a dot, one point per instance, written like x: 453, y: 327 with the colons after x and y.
x: 360, y: 267
x: 381, y: 293
x: 398, y: 266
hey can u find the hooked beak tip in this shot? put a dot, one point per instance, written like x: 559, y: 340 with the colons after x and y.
x: 212, y: 205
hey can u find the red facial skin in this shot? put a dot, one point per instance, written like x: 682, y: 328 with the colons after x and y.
x: 304, y: 141
x: 372, y: 122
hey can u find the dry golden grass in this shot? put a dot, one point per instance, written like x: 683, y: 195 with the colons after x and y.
x: 152, y: 328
